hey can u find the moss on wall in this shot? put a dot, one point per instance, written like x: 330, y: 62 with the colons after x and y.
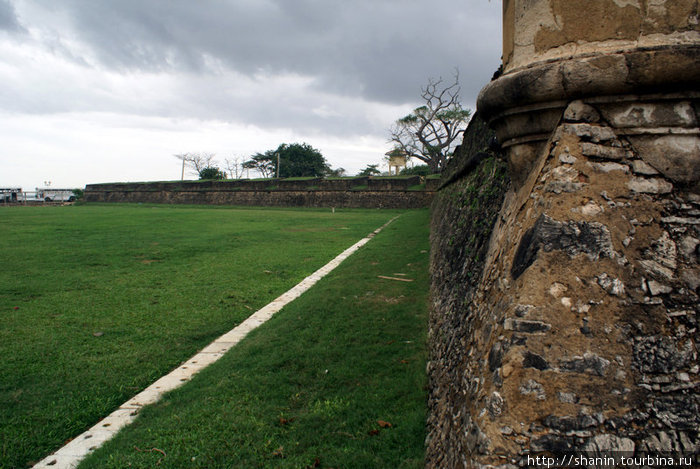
x: 463, y: 216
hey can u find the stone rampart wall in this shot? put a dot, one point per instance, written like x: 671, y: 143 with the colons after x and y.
x: 463, y: 216
x: 347, y: 192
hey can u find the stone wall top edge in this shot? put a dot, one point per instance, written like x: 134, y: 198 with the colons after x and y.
x: 253, y: 191
x: 478, y: 143
x: 256, y: 185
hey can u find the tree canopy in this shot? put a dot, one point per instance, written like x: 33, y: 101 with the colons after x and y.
x: 295, y: 160
x: 211, y: 172
x: 370, y: 170
x: 430, y: 132
x: 419, y: 170
x: 262, y: 162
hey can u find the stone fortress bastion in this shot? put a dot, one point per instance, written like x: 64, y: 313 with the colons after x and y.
x: 569, y: 324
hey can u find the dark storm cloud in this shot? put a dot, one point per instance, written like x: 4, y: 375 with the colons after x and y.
x: 380, y: 50
x: 8, y: 18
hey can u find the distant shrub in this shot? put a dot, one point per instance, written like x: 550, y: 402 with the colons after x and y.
x: 211, y: 172
x: 420, y: 170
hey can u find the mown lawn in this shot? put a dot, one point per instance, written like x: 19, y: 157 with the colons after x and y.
x: 98, y: 301
x: 335, y: 379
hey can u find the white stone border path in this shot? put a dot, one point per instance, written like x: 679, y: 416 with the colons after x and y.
x: 70, y: 455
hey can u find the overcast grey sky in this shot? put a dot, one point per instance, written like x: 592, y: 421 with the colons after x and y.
x: 108, y: 90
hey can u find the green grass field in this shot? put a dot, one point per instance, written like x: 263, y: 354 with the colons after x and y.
x: 96, y: 302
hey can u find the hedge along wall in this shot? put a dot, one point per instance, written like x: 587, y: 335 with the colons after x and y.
x: 361, y: 192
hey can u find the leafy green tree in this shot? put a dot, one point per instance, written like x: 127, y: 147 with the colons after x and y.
x: 211, y: 172
x: 295, y: 160
x: 430, y: 132
x: 299, y: 160
x: 262, y: 162
x: 370, y: 170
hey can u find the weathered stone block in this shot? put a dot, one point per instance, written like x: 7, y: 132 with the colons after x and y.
x: 588, y: 363
x: 675, y: 156
x: 522, y: 325
x: 613, y: 286
x: 650, y: 186
x: 656, y: 288
x: 593, y: 133
x: 553, y: 443
x: 661, y: 354
x: 578, y: 111
x: 607, y: 445
x: 533, y: 360
x: 532, y: 387
x: 567, y: 397
x: 574, y: 238
x: 569, y: 424
x: 594, y: 150
x: 608, y: 167
x: 641, y: 167
x: 496, y: 356
x: 678, y: 412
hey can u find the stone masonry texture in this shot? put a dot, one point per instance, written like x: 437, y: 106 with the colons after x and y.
x: 571, y: 323
x: 361, y: 192
x: 566, y: 290
x: 463, y: 216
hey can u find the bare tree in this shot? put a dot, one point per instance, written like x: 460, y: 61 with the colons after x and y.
x: 234, y: 167
x: 195, y: 162
x: 430, y: 132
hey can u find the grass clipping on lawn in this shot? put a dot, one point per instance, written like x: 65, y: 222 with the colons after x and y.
x: 335, y: 379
